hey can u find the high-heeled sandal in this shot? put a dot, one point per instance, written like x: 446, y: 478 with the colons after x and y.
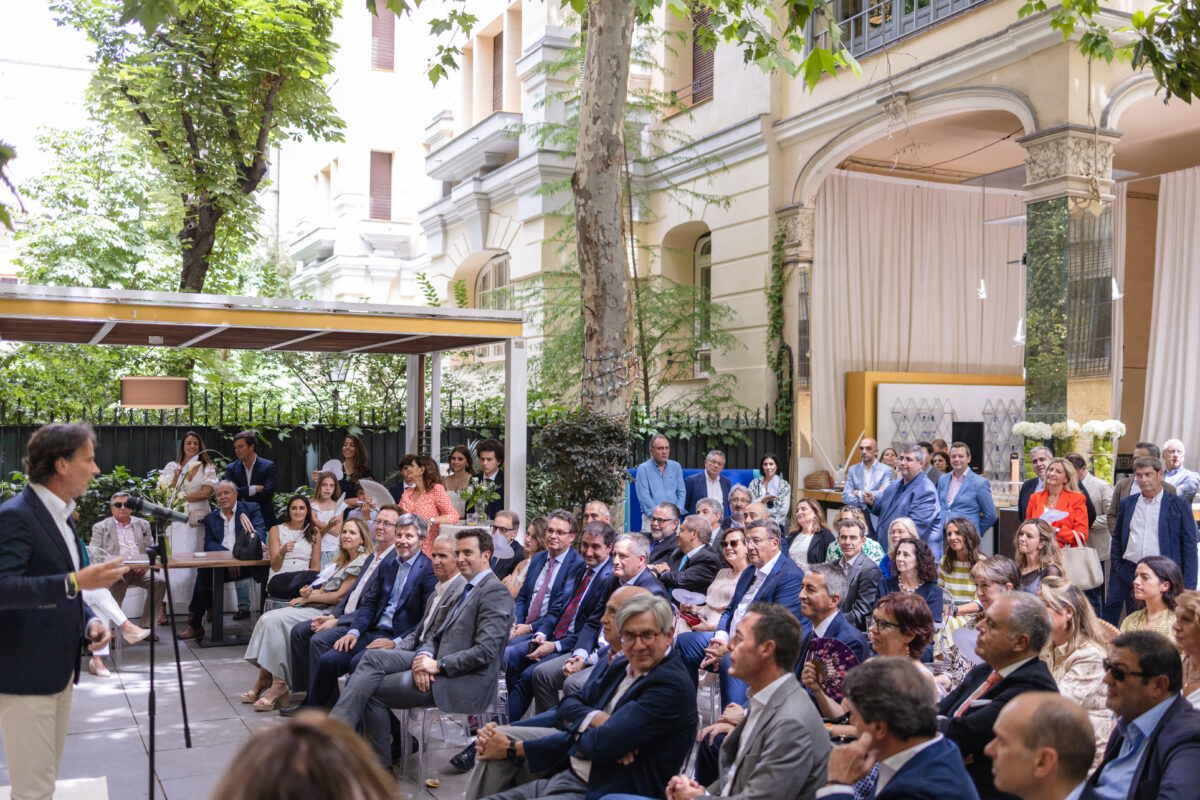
x: 260, y: 686
x: 265, y: 704
x: 134, y: 638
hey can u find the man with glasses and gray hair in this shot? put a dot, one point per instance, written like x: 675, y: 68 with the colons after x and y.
x: 710, y: 484
x: 125, y: 535
x: 659, y: 480
x: 507, y: 524
x: 913, y: 496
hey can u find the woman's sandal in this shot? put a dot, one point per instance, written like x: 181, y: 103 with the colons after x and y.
x: 263, y: 704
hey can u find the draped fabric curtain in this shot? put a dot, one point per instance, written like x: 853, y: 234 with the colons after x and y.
x: 1119, y: 221
x: 1172, y: 407
x: 895, y: 279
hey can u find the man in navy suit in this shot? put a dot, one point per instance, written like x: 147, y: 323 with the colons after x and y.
x: 820, y: 596
x: 221, y: 528
x: 772, y: 577
x: 692, y: 565
x: 1154, y: 752
x: 631, y: 731
x: 253, y: 476
x: 963, y: 493
x: 913, y: 496
x: 390, y: 608
x: 1043, y: 748
x: 491, y: 462
x: 630, y: 555
x: 42, y: 614
x: 709, y: 483
x: 892, y: 706
x: 1011, y: 636
x: 1151, y: 522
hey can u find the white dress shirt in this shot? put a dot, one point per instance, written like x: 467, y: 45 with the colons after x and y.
x: 758, y: 704
x: 230, y: 529
x: 714, y: 489
x: 760, y: 576
x: 60, y: 511
x: 1143, y: 528
x: 819, y: 630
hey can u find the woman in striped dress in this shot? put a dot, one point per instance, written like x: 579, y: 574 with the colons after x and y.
x: 954, y: 573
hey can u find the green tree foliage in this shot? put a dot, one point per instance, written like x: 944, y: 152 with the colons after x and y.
x: 207, y: 94
x: 582, y: 457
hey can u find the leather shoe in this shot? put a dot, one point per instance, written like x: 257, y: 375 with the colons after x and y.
x: 192, y: 633
x: 289, y: 711
x: 242, y: 613
x: 100, y: 671
x: 465, y: 760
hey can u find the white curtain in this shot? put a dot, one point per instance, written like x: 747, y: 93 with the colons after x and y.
x: 895, y: 276
x: 1119, y: 221
x: 1172, y: 407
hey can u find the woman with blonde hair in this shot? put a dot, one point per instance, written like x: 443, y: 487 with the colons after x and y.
x: 1075, y: 653
x: 535, y: 542
x: 1038, y: 554
x: 1062, y: 503
x: 1187, y: 637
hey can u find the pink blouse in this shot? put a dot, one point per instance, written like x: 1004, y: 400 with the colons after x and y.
x: 432, y: 503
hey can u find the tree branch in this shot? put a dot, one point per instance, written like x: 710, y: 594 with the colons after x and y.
x: 153, y: 130
x: 253, y: 173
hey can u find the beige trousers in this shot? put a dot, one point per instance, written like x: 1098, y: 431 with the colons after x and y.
x: 35, y: 730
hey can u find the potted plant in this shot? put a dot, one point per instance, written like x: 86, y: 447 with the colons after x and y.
x: 476, y: 495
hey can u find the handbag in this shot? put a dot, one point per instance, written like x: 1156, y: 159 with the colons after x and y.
x: 196, y: 516
x: 287, y: 585
x: 1082, y: 565
x: 246, y: 545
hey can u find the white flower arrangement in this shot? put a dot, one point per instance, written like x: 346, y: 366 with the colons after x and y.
x: 1102, y: 429
x: 1033, y: 430
x: 1066, y: 430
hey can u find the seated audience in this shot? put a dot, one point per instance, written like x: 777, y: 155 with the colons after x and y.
x: 994, y: 577
x: 872, y: 548
x: 535, y: 542
x: 901, y: 528
x: 712, y: 511
x: 1155, y: 750
x: 902, y: 625
x: 1076, y: 652
x: 630, y: 732
x: 507, y: 524
x: 1038, y: 553
x: 823, y: 587
x: 720, y: 591
x: 915, y: 572
x: 954, y: 572
x: 106, y: 609
x: 549, y: 583
x: 629, y: 555
x: 312, y: 756
x: 809, y: 541
x: 1187, y: 638
x: 739, y: 498
x: 1156, y: 584
x: 268, y: 647
x: 1012, y: 633
x: 692, y: 565
x: 221, y: 528
x: 862, y: 575
x: 664, y: 532
x: 122, y: 534
x: 328, y: 511
x: 292, y: 550
x: 1042, y: 748
x: 780, y: 749
x: 597, y: 511
x: 899, y: 754
x: 454, y: 666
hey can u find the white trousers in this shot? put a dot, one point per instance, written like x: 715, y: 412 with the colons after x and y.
x: 106, y: 607
x: 35, y: 730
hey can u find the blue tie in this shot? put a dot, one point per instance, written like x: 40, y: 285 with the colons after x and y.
x: 389, y: 612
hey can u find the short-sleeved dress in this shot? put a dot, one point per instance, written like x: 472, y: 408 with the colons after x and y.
x: 432, y: 503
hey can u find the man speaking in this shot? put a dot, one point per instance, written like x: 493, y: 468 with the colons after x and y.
x: 42, y: 615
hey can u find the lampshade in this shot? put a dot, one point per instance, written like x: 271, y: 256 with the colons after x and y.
x: 154, y: 392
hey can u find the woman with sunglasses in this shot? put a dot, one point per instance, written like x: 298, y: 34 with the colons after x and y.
x: 1156, y: 583
x: 720, y: 591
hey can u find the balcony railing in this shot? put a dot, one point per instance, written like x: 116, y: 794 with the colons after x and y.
x: 870, y: 26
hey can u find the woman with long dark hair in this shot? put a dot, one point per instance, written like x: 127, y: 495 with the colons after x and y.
x: 1156, y: 583
x: 772, y: 490
x: 189, y: 478
x: 427, y: 498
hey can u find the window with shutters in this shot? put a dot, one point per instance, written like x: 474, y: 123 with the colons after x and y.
x: 498, y: 72
x: 493, y: 291
x: 383, y: 38
x: 381, y: 185
x: 702, y: 60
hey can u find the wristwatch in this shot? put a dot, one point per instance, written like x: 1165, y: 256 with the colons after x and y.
x: 72, y: 586
x: 512, y: 754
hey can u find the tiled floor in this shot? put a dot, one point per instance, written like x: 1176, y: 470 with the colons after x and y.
x: 109, y: 730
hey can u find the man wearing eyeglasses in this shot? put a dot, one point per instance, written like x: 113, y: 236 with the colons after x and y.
x: 659, y: 480
x: 664, y: 531
x: 507, y: 524
x: 913, y: 496
x: 127, y: 536
x: 1154, y: 752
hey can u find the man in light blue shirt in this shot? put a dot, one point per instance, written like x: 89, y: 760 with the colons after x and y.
x: 659, y: 480
x: 869, y: 475
x: 1185, y: 481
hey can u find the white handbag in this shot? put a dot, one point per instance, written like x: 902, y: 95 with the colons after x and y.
x: 1082, y: 565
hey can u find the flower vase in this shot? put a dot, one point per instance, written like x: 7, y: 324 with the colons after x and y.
x: 1029, y: 445
x: 1063, y: 445
x: 1103, y: 448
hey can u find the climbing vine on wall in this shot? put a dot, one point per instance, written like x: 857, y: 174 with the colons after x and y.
x: 778, y: 353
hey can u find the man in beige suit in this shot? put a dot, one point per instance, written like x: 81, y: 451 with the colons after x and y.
x: 123, y: 534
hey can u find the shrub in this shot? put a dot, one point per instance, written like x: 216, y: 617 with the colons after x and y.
x: 583, y: 456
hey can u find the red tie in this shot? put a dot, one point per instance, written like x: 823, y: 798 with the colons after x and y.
x: 991, y: 681
x: 568, y: 616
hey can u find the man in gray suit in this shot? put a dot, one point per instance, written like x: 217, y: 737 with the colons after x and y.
x: 781, y: 748
x: 454, y: 666
x: 123, y: 534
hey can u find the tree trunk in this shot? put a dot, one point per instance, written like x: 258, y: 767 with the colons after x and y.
x: 198, y: 236
x: 604, y: 278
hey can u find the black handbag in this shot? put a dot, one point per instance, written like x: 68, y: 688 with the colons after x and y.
x: 287, y: 585
x: 246, y: 544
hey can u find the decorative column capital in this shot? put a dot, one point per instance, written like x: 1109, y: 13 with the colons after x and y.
x: 1069, y: 161
x: 797, y: 223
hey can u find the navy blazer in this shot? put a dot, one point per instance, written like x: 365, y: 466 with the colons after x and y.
x: 931, y: 592
x: 645, y: 579
x: 695, y: 487
x: 655, y: 717
x: 340, y: 609
x: 702, y: 566
x: 782, y: 586
x: 585, y: 628
x: 546, y: 753
x: 560, y: 591
x: 264, y: 476
x: 935, y: 773
x: 1170, y: 764
x: 973, y: 730
x: 1176, y: 532
x: 43, y: 628
x: 844, y: 631
x: 214, y: 525
x: 411, y: 608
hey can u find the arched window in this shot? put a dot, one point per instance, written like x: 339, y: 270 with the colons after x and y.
x: 702, y: 259
x: 492, y: 288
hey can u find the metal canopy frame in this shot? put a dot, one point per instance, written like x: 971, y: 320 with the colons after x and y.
x: 119, y: 318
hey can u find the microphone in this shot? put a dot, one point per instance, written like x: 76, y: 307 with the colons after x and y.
x: 139, y: 505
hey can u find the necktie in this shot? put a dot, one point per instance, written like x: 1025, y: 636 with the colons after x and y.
x: 535, y: 608
x: 568, y: 616
x: 683, y: 561
x: 865, y: 788
x: 992, y: 680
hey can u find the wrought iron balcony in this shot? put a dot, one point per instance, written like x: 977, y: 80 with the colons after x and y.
x: 870, y: 26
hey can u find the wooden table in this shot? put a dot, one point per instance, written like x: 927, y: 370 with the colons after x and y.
x: 216, y: 560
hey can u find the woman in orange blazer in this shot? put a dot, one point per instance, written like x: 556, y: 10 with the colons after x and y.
x: 1062, y: 494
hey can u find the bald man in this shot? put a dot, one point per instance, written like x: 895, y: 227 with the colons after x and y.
x: 1043, y: 748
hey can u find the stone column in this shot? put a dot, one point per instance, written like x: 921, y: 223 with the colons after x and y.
x: 795, y: 223
x: 1068, y: 358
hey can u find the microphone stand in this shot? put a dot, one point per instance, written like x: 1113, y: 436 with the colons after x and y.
x: 157, y: 553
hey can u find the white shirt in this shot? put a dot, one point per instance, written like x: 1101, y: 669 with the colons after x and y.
x: 60, y: 511
x: 758, y: 704
x: 819, y: 630
x: 887, y: 768
x: 249, y: 472
x: 1143, y: 528
x: 127, y: 540
x: 956, y: 482
x: 714, y: 489
x: 760, y: 576
x: 356, y: 592
x: 230, y: 529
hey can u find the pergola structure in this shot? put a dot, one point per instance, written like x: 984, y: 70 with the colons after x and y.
x: 69, y: 315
